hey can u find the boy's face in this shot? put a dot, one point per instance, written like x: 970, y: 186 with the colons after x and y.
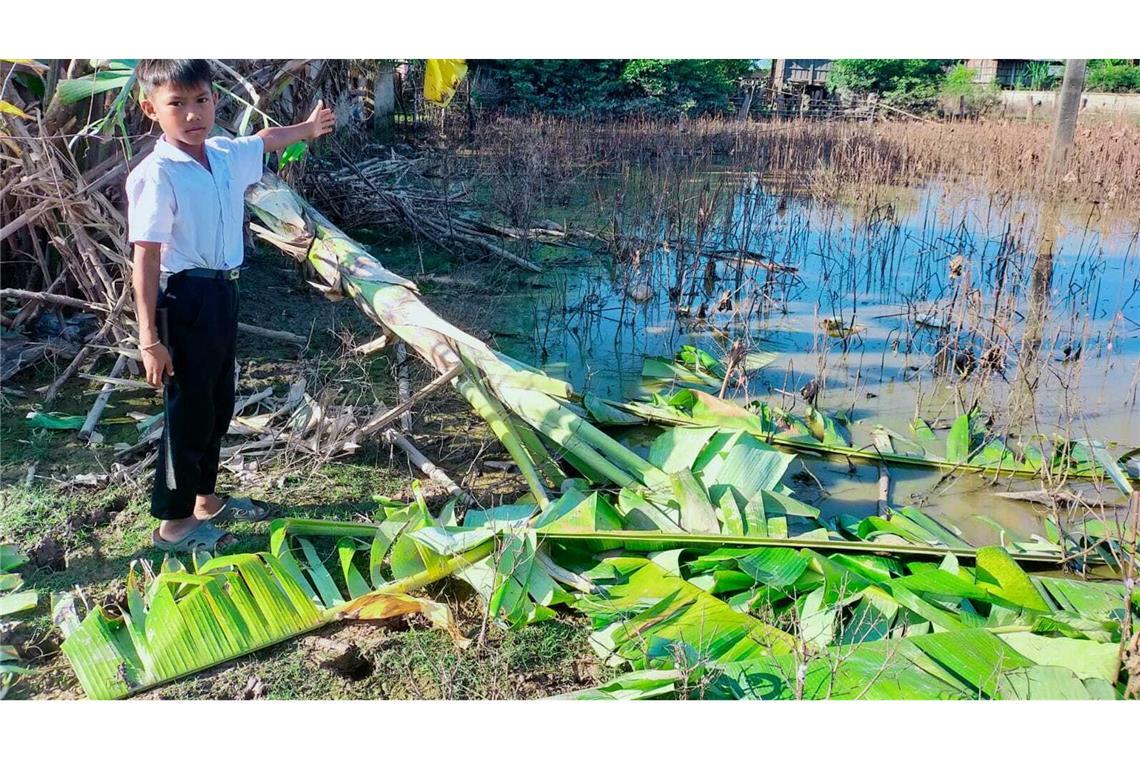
x: 186, y: 115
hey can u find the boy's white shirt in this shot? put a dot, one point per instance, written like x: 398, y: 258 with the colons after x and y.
x: 195, y: 214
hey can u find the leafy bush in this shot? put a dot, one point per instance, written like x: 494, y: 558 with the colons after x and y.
x: 918, y: 99
x: 1037, y: 75
x: 891, y: 77
x: 959, y: 83
x: 654, y: 86
x: 910, y: 84
x: 1112, y: 75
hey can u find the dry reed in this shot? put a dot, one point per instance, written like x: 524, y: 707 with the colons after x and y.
x: 1004, y: 155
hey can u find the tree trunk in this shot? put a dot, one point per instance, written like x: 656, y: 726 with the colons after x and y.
x: 384, y: 98
x: 1065, y: 115
x: 1023, y: 406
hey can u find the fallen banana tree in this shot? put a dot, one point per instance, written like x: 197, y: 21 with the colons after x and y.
x: 751, y: 621
x: 532, y: 414
x: 526, y: 409
x: 761, y: 562
x: 967, y: 448
x: 727, y: 567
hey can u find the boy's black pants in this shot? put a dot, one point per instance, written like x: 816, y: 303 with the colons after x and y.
x: 201, y: 337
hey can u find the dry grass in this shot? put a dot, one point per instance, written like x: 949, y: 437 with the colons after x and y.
x: 1004, y: 155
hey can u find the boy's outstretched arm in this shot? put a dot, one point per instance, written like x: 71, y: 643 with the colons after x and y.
x: 155, y: 356
x: 320, y: 122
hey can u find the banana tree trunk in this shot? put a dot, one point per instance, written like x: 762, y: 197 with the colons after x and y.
x: 521, y: 394
x: 347, y: 269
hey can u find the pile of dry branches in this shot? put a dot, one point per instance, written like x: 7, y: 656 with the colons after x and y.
x: 413, y: 193
x: 301, y: 426
x: 64, y: 246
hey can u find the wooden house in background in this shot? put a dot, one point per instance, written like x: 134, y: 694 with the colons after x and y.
x: 1009, y: 72
x: 803, y: 74
x: 798, y: 87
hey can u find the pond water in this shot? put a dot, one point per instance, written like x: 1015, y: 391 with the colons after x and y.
x: 919, y: 275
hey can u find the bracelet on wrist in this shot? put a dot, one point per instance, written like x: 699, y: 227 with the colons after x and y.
x: 149, y: 346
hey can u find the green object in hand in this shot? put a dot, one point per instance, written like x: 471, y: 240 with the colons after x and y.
x: 293, y: 153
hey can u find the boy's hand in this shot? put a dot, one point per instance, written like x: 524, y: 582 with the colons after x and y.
x: 157, y: 363
x: 321, y: 121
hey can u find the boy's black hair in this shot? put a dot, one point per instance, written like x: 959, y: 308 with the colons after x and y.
x: 183, y: 73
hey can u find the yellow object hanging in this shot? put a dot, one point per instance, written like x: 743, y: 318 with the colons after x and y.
x: 8, y: 109
x: 441, y: 79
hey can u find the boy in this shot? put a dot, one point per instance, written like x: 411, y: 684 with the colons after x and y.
x: 184, y: 218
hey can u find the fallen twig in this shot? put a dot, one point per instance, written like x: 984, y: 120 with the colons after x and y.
x: 281, y: 335
x: 85, y: 432
x: 388, y: 417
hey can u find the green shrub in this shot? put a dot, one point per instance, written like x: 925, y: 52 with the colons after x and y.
x: 918, y: 99
x: 911, y: 84
x: 1037, y: 75
x: 886, y: 76
x: 959, y: 84
x: 1112, y: 75
x: 959, y: 81
x: 652, y: 86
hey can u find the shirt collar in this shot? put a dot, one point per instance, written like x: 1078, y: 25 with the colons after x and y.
x: 166, y: 150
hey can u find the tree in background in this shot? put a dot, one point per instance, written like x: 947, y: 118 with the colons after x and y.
x: 655, y: 86
x: 700, y: 85
x: 912, y: 83
x: 1112, y: 75
x: 960, y: 94
x: 548, y: 85
x: 886, y: 75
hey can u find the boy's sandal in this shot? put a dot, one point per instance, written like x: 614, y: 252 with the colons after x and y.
x: 241, y: 509
x: 205, y: 537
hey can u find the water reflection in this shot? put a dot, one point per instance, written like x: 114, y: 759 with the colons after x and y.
x: 886, y: 301
x: 914, y: 273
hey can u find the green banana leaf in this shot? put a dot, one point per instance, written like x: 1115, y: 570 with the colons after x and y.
x: 967, y: 451
x: 12, y: 602
x: 639, y: 684
x: 179, y: 622
x: 696, y: 367
x: 647, y: 616
x: 951, y: 665
x: 644, y: 619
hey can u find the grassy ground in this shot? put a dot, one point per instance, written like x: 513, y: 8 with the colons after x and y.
x: 85, y: 537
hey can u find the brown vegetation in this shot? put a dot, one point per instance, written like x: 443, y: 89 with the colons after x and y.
x: 1004, y: 155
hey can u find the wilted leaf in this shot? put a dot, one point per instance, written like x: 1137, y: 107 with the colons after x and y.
x: 8, y: 109
x: 71, y: 91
